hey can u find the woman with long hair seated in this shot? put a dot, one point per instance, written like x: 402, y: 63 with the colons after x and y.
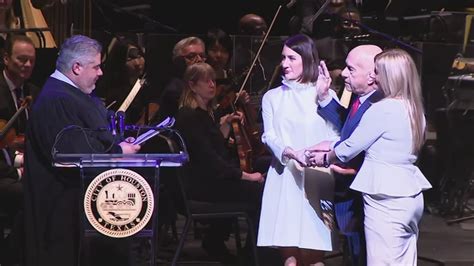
x: 212, y: 175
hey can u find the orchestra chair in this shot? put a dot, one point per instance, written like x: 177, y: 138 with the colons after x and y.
x: 200, y: 210
x: 4, y: 224
x: 167, y: 189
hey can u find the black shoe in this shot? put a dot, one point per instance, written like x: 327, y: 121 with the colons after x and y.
x: 217, y: 250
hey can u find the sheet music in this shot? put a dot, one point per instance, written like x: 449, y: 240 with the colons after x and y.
x: 167, y: 123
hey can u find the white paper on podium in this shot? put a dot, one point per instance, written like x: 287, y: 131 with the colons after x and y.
x: 168, y: 122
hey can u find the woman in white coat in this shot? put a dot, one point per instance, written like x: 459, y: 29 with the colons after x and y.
x: 288, y: 221
x: 392, y: 133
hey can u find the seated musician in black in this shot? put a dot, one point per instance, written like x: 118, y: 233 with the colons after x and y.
x: 219, y: 51
x: 124, y: 65
x: 187, y: 51
x: 211, y: 174
x: 19, y: 60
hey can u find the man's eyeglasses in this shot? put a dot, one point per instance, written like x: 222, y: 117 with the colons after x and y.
x: 193, y: 56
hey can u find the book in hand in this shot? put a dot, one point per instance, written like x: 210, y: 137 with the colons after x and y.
x: 165, y: 124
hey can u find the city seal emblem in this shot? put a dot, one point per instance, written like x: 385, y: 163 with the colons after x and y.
x: 118, y: 203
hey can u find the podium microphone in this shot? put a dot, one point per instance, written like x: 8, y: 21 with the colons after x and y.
x: 111, y: 117
x: 121, y: 123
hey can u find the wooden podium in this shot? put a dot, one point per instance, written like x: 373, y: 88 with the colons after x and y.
x: 120, y: 204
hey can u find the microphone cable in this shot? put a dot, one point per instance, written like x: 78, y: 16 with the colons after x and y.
x: 84, y: 131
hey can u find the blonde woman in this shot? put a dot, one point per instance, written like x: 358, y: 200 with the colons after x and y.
x: 212, y: 173
x: 392, y: 133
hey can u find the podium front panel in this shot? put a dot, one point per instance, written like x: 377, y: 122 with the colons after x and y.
x: 119, y: 204
x: 120, y: 212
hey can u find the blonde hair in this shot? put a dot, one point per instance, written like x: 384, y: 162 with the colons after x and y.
x: 194, y: 73
x: 398, y: 78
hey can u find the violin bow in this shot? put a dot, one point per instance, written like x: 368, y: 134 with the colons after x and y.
x: 257, y: 55
x: 131, y: 95
x: 318, y: 13
x: 12, y: 120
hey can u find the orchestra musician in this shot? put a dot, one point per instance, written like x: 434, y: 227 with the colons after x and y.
x: 335, y: 46
x: 19, y: 60
x: 219, y: 50
x: 124, y: 65
x: 212, y: 173
x: 252, y: 29
x: 252, y: 25
x: 187, y: 51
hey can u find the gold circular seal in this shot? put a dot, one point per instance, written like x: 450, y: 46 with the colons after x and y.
x: 118, y: 203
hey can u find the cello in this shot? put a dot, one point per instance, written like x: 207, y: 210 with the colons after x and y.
x: 247, y: 137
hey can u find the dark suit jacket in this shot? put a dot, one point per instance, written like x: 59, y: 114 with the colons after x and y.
x: 169, y: 100
x: 338, y: 116
x: 7, y: 110
x: 7, y: 106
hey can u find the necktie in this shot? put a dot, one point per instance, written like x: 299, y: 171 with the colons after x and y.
x: 21, y: 120
x: 19, y: 96
x: 354, y: 107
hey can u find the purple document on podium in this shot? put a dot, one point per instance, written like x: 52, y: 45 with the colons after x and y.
x: 165, y: 124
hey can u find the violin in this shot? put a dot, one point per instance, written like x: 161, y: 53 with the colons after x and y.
x: 11, y: 138
x: 8, y: 134
x: 226, y: 98
x: 244, y: 148
x: 248, y: 138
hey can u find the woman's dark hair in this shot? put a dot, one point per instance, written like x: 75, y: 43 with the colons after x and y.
x: 217, y: 36
x: 118, y: 56
x: 305, y: 47
x: 115, y: 70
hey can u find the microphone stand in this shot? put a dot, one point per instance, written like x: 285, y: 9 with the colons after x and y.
x: 386, y: 37
x: 141, y: 17
x: 308, y: 24
x: 318, y: 13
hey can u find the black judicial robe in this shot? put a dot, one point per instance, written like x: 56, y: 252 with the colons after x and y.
x: 52, y: 204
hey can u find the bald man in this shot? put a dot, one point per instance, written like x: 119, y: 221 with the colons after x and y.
x: 349, y: 205
x: 252, y: 24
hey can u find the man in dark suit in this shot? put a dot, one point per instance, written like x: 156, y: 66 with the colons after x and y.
x: 19, y: 60
x: 186, y: 52
x: 349, y: 205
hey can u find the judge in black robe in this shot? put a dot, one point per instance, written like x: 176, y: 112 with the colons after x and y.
x: 65, y: 119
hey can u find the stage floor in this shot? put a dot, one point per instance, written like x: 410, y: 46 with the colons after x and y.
x: 452, y: 245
